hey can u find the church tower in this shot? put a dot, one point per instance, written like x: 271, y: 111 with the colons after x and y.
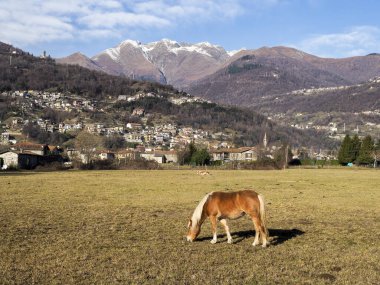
x: 265, y: 141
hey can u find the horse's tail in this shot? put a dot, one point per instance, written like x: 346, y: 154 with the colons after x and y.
x: 263, y: 217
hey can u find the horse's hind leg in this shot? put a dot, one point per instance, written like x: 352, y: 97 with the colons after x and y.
x: 224, y: 223
x: 260, y: 231
x: 256, y: 224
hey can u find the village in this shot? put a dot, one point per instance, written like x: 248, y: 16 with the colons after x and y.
x: 159, y: 142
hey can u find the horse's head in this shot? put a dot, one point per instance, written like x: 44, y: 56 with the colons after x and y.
x: 193, y: 231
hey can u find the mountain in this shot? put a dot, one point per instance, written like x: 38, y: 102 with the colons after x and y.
x: 81, y: 60
x: 129, y: 59
x: 251, y: 74
x: 238, y: 77
x: 165, y: 61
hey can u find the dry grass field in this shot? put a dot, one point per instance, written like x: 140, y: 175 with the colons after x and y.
x: 128, y: 227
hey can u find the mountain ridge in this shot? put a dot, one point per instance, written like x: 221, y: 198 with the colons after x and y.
x: 183, y: 65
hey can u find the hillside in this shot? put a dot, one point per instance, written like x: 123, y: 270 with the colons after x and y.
x: 30, y: 73
x: 250, y: 75
x: 349, y: 99
x: 25, y: 72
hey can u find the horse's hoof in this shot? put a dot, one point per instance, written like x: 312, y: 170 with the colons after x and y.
x: 230, y: 241
x: 213, y: 241
x: 264, y: 245
x: 254, y: 244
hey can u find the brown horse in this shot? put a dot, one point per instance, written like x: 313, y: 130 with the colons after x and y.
x: 219, y: 206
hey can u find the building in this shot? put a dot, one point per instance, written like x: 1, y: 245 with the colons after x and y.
x: 127, y: 155
x: 234, y: 154
x: 23, y: 147
x: 161, y: 156
x: 21, y: 160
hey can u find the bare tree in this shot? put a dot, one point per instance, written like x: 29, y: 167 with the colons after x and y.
x: 87, y: 144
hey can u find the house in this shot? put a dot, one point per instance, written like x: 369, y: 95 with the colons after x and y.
x: 55, y: 150
x: 134, y: 126
x: 138, y: 112
x: 39, y: 149
x: 21, y: 160
x: 106, y: 154
x: 151, y: 155
x: 133, y: 138
x: 234, y: 154
x: 170, y: 155
x: 127, y: 154
x: 26, y: 155
x: 122, y: 97
x: 161, y: 156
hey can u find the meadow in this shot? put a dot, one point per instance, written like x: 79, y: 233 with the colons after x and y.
x: 128, y: 227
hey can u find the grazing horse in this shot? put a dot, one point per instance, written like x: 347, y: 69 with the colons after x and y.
x: 219, y: 206
x: 203, y: 172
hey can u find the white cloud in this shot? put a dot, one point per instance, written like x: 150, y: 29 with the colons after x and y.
x: 359, y: 40
x: 28, y: 22
x: 115, y: 19
x: 200, y: 9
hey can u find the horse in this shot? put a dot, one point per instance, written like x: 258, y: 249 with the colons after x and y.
x: 220, y: 206
x: 203, y: 172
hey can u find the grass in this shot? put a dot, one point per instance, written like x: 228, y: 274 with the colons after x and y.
x: 128, y: 227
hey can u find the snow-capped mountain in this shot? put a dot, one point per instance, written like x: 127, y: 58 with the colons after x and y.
x: 165, y: 61
x: 233, y: 77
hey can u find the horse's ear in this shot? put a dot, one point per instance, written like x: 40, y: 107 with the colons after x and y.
x: 189, y: 224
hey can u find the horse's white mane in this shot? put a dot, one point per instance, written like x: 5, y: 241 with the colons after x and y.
x: 197, y: 215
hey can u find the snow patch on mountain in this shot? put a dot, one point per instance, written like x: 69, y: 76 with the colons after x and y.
x: 233, y: 52
x: 113, y: 53
x: 203, y: 48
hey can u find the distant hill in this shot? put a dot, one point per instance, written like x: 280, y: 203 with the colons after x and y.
x: 250, y: 75
x: 81, y: 60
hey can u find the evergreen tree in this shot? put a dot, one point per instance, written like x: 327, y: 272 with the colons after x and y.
x: 345, y: 151
x: 282, y: 158
x: 201, y: 157
x: 376, y: 154
x: 355, y: 145
x: 366, y: 151
x: 185, y: 156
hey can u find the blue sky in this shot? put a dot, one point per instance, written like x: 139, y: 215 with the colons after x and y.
x: 328, y: 28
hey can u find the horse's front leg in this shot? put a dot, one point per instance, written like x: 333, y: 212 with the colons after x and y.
x: 224, y: 223
x: 213, y: 227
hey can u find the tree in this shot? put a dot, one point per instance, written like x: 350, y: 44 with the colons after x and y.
x: 283, y: 156
x: 115, y: 142
x: 366, y: 151
x: 87, y: 144
x: 201, y: 157
x: 345, y: 151
x: 376, y: 153
x: 184, y: 156
x: 355, y: 148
